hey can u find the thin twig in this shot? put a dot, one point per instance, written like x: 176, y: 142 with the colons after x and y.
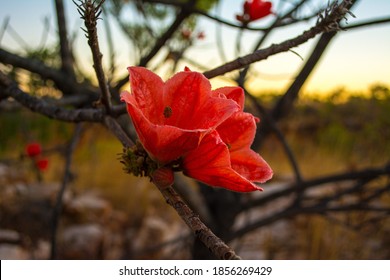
x: 117, y: 130
x: 90, y: 12
x: 4, y: 27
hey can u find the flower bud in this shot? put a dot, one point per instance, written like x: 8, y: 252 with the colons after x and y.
x: 163, y: 177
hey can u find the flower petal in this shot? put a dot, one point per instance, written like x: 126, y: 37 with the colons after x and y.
x: 147, y: 90
x: 210, y: 164
x: 251, y: 165
x: 193, y: 106
x: 235, y: 93
x: 162, y: 142
x: 171, y: 118
x: 238, y: 131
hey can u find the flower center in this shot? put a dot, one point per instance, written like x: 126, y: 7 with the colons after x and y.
x: 167, y: 112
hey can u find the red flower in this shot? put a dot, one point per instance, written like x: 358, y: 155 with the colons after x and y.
x: 42, y: 164
x: 254, y: 10
x: 224, y: 157
x: 171, y: 118
x: 33, y: 149
x: 182, y: 122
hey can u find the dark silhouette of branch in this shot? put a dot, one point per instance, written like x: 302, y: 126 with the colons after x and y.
x: 365, y: 174
x: 317, y: 209
x: 289, y: 153
x: 66, y: 54
x: 66, y: 178
x: 90, y: 12
x: 284, y: 105
x: 4, y: 27
x: 366, y: 23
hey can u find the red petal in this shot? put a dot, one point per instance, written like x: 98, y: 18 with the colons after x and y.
x: 193, y: 106
x: 259, y: 9
x: 147, y: 92
x: 238, y: 131
x: 233, y: 93
x: 251, y: 165
x: 163, y: 143
x: 210, y: 164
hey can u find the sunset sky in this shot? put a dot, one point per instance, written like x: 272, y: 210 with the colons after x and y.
x: 355, y: 59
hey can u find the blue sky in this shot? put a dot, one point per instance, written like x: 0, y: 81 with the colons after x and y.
x: 355, y: 60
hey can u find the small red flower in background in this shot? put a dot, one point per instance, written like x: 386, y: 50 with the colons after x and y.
x: 42, y: 164
x: 254, y: 10
x: 33, y: 149
x: 182, y: 123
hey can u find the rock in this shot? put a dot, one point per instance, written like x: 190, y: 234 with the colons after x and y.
x: 82, y: 242
x: 13, y: 252
x: 88, y: 208
x: 9, y: 236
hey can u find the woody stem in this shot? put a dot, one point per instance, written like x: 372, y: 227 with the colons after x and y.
x: 201, y: 231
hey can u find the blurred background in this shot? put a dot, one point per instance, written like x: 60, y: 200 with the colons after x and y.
x: 325, y: 129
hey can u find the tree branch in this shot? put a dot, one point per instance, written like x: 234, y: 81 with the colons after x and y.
x: 66, y: 178
x: 208, y: 238
x: 326, y: 25
x: 11, y: 89
x: 183, y: 14
x: 90, y: 13
x: 48, y: 73
x: 66, y: 54
x: 364, y: 174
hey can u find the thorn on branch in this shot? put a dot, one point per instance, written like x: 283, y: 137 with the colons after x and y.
x: 90, y: 12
